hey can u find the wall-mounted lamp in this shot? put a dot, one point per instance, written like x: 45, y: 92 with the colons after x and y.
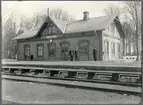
x: 51, y: 40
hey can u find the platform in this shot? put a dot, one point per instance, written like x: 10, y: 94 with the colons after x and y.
x: 92, y: 65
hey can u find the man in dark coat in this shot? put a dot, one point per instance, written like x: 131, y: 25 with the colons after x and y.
x: 71, y: 54
x: 31, y: 57
x: 76, y: 54
x: 95, y: 54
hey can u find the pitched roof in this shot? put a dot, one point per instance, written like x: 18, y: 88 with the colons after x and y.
x: 28, y: 34
x: 60, y: 23
x: 92, y: 24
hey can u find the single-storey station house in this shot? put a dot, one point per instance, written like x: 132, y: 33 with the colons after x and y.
x: 55, y: 38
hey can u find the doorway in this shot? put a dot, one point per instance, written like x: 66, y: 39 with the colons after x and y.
x: 83, y: 50
x: 64, y: 46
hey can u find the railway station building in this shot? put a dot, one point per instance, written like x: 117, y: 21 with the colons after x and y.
x: 53, y: 40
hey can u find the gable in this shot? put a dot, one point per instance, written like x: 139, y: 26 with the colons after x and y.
x: 49, y: 28
x: 112, y: 30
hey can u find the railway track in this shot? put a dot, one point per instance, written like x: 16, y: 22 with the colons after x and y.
x: 123, y: 78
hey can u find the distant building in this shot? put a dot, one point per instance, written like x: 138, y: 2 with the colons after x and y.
x: 54, y: 39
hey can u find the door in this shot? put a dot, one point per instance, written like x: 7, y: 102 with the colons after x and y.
x: 84, y: 50
x: 27, y: 52
x: 64, y: 51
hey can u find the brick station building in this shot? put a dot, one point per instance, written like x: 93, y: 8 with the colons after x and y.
x: 53, y: 40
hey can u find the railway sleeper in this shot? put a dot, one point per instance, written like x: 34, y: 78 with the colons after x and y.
x: 38, y: 72
x: 108, y: 75
x: 91, y: 75
x: 81, y: 75
x: 5, y: 70
x: 63, y: 74
x: 128, y: 76
x: 46, y: 72
x: 140, y: 79
x: 12, y: 70
x: 115, y: 77
x: 54, y: 72
x: 72, y: 74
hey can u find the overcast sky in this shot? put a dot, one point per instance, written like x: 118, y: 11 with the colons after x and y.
x: 76, y: 8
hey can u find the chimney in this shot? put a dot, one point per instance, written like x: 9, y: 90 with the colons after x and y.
x: 85, y: 15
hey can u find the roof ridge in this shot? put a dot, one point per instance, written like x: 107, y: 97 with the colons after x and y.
x: 89, y: 18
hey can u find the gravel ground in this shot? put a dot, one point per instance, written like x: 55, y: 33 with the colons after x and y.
x: 34, y: 93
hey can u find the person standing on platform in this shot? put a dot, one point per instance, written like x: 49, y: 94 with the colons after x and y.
x: 71, y: 54
x: 95, y: 54
x: 31, y: 57
x: 76, y: 55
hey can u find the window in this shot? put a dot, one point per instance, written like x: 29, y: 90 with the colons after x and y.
x: 52, y: 49
x: 118, y: 47
x: 113, y: 48
x: 106, y: 47
x: 108, y: 28
x: 27, y: 50
x: 40, y: 50
x: 84, y: 47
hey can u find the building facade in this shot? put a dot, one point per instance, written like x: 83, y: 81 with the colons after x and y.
x: 55, y: 38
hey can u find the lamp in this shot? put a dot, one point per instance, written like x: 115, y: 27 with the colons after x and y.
x: 51, y: 40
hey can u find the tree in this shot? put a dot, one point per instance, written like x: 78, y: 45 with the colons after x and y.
x: 62, y: 14
x: 113, y: 10
x: 58, y: 13
x: 133, y: 8
x: 8, y: 34
x: 38, y: 19
x: 129, y: 35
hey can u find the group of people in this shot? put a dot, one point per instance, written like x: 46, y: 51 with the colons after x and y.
x: 73, y: 54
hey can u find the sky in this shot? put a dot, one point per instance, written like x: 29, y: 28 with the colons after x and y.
x: 76, y: 8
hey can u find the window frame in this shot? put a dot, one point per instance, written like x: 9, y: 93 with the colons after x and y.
x: 113, y: 48
x: 119, y: 47
x: 106, y: 41
x: 40, y: 44
x: 48, y: 45
x: 27, y: 45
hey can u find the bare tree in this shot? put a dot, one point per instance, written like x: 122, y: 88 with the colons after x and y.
x: 129, y: 35
x: 113, y: 10
x: 8, y: 34
x: 133, y: 8
x: 58, y: 13
x: 38, y: 19
x: 62, y: 14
